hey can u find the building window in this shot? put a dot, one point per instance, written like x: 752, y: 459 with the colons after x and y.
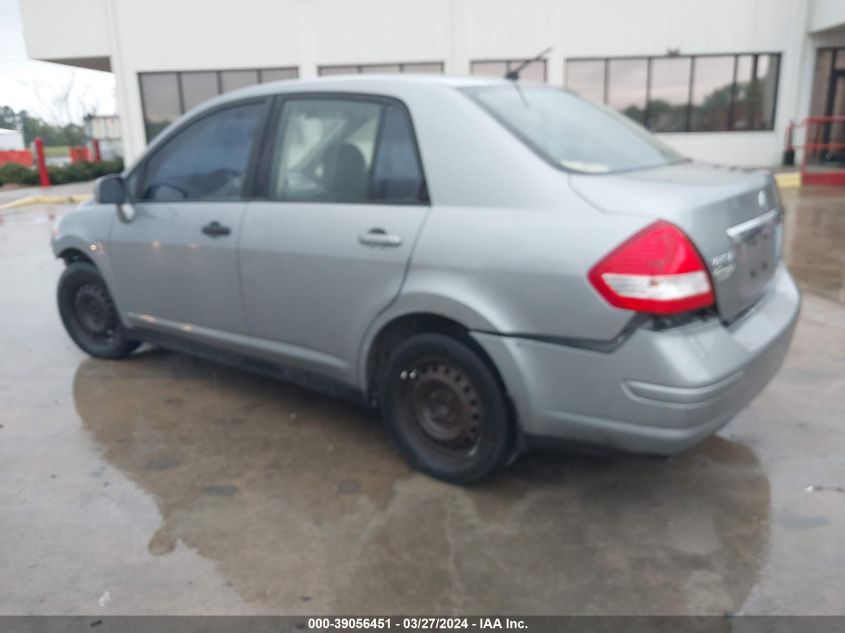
x: 668, y: 94
x: 167, y: 95
x: 684, y: 93
x: 161, y: 101
x: 533, y: 71
x: 625, y: 87
x: 425, y: 68
x: 587, y: 79
x: 712, y: 92
x: 198, y: 87
x: 234, y: 79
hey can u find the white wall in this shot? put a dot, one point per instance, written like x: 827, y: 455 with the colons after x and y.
x: 11, y: 139
x: 149, y: 35
x: 826, y: 14
x: 65, y: 29
x: 103, y: 127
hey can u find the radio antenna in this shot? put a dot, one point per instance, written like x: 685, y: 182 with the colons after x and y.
x: 513, y: 75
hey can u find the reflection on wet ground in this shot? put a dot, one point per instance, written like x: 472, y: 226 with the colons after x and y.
x: 165, y: 484
x: 814, y: 245
x: 265, y: 478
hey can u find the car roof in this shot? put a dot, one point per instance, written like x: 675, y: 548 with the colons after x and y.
x: 358, y: 82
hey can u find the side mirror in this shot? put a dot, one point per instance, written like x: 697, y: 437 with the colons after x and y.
x: 110, y: 190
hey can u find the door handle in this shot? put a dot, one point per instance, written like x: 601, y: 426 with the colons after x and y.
x: 378, y: 237
x: 215, y: 229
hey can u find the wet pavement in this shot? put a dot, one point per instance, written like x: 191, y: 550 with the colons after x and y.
x: 165, y: 484
x: 10, y: 193
x: 816, y: 248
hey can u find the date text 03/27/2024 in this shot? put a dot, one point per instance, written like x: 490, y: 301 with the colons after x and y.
x: 415, y: 624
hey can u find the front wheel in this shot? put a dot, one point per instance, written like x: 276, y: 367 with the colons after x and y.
x: 89, y: 314
x: 446, y: 409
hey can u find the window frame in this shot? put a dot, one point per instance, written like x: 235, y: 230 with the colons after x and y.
x: 252, y: 166
x: 755, y: 55
x: 273, y: 133
x: 180, y: 90
x: 358, y: 67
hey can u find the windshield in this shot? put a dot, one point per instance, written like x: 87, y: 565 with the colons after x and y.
x: 572, y: 133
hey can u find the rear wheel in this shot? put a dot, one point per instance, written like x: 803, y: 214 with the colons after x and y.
x: 89, y: 314
x: 446, y: 409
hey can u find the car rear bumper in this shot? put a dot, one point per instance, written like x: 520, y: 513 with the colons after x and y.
x: 660, y: 391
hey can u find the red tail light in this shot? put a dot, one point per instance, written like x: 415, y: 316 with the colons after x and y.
x: 657, y: 270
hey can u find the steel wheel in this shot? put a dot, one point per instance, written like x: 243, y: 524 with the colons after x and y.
x: 446, y: 408
x: 90, y: 315
x: 444, y: 405
x: 95, y: 311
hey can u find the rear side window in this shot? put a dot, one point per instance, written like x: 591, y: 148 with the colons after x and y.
x: 345, y: 150
x: 572, y: 133
x: 397, y: 174
x: 208, y: 160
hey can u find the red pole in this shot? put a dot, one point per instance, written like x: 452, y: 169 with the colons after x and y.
x: 42, y: 164
x: 96, y: 143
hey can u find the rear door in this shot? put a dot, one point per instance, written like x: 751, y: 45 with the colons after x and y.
x: 328, y: 248
x: 176, y: 261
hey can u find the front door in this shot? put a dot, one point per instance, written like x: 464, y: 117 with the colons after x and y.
x: 176, y: 261
x: 329, y: 248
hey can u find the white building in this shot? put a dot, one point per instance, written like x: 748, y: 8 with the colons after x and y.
x: 105, y: 129
x: 721, y: 79
x: 11, y: 139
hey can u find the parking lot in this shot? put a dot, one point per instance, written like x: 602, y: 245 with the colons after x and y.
x: 165, y: 484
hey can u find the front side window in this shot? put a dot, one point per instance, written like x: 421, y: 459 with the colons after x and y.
x: 207, y: 160
x: 345, y: 150
x: 572, y: 133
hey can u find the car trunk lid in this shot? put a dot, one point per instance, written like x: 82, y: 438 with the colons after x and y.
x: 732, y: 216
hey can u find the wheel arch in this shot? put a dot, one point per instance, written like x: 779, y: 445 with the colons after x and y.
x: 72, y: 254
x: 402, y: 326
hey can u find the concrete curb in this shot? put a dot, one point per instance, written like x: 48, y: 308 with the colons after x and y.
x: 46, y: 199
x: 788, y: 180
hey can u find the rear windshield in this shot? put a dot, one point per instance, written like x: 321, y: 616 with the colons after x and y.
x: 572, y: 133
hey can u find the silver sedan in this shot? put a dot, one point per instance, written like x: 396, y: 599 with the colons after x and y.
x: 493, y: 264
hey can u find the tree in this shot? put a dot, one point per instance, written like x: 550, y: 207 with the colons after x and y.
x: 52, y: 134
x: 8, y: 118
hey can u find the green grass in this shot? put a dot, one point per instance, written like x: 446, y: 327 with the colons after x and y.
x: 57, y: 150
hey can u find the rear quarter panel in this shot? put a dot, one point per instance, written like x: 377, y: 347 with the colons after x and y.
x: 519, y: 270
x: 507, y: 244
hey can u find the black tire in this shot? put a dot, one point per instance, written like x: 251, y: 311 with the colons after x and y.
x: 446, y: 409
x: 89, y: 314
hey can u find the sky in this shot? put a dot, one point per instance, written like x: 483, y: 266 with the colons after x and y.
x: 37, y: 86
